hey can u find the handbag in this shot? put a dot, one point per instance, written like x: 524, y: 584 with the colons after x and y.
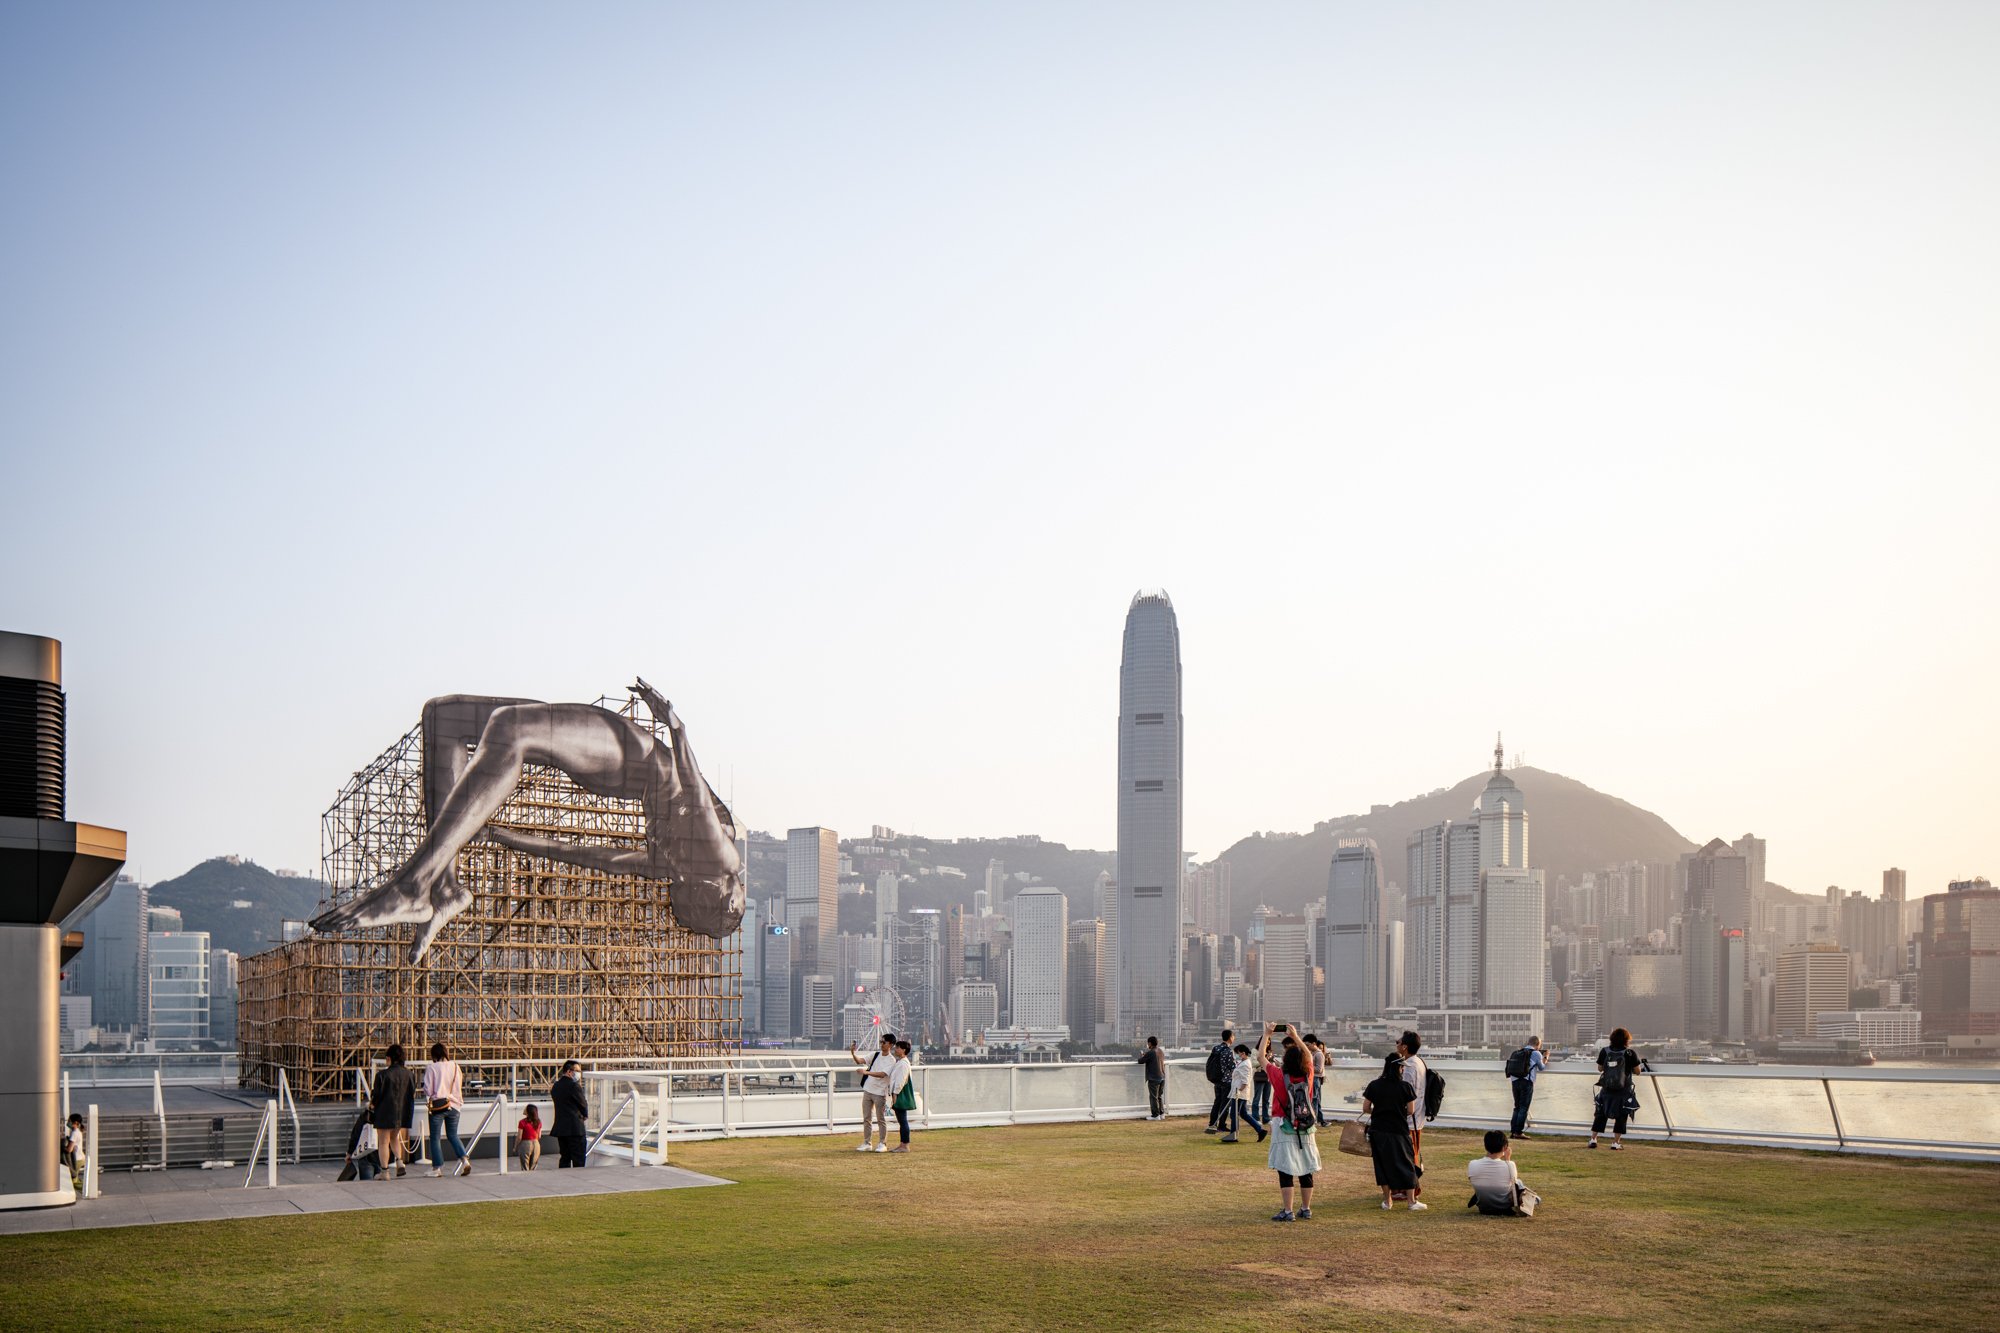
x: 906, y: 1096
x: 1354, y: 1139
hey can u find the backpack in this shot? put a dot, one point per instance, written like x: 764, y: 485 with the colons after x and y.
x: 1518, y: 1063
x: 1615, y: 1078
x: 1216, y: 1073
x: 1299, y: 1112
x: 1433, y: 1092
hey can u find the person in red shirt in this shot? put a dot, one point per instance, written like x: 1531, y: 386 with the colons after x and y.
x: 530, y: 1133
x: 1294, y: 1150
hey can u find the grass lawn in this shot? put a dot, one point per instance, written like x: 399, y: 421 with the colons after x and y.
x: 1126, y: 1225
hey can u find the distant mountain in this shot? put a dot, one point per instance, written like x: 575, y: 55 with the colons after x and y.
x: 1571, y: 829
x: 239, y: 903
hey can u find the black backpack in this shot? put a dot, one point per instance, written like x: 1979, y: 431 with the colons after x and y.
x: 1433, y: 1092
x: 1517, y: 1063
x: 1215, y: 1071
x: 1616, y: 1077
x: 1299, y: 1113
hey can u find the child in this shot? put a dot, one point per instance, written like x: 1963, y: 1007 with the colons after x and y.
x: 1239, y: 1096
x: 530, y: 1133
x: 72, y: 1150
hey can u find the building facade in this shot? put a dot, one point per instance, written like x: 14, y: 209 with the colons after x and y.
x: 178, y: 987
x: 1959, y: 948
x: 1150, y: 860
x: 1811, y: 979
x: 1355, y: 954
x: 1040, y: 975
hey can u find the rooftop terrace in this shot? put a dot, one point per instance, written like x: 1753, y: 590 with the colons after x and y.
x: 1111, y: 1225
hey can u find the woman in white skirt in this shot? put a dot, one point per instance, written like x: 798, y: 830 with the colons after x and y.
x: 1294, y: 1142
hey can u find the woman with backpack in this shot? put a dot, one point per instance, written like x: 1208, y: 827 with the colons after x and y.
x: 1294, y: 1125
x: 1386, y: 1103
x: 1616, y: 1065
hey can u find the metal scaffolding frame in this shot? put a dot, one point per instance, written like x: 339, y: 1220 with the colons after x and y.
x: 550, y: 962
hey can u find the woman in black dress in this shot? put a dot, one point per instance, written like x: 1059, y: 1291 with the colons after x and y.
x: 1386, y: 1103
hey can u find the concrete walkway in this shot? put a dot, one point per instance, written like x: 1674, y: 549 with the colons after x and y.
x: 145, y: 1198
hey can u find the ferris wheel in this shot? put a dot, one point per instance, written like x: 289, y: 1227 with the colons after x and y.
x: 889, y: 1013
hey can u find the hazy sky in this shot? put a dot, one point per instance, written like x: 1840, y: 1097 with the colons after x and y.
x: 1622, y: 376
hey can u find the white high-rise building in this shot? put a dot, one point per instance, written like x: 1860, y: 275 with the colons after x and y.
x: 1040, y: 958
x: 178, y: 989
x: 1443, y: 936
x: 973, y: 1010
x: 812, y: 894
x: 1286, y: 976
x: 1511, y: 963
x: 1150, y: 860
x: 887, y: 886
x: 1476, y: 907
x: 1354, y: 952
x: 1108, y: 960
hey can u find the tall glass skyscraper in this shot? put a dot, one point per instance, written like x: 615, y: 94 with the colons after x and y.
x: 1149, y: 822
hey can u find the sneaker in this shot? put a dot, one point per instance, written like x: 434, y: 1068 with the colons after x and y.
x: 1388, y: 1205
x: 901, y: 1147
x: 1282, y: 1215
x: 1591, y: 1144
x: 435, y: 1173
x: 465, y: 1166
x: 1305, y: 1215
x: 1517, y: 1136
x: 881, y: 1147
x: 1618, y: 1147
x: 1228, y: 1138
x: 864, y: 1147
x: 401, y: 1172
x: 1419, y: 1206
x: 1211, y: 1130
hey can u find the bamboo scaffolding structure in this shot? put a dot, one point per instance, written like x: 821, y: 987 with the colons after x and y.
x: 550, y: 962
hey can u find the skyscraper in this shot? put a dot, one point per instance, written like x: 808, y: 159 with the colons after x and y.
x: 1149, y: 822
x: 1108, y: 998
x: 1717, y: 880
x: 1960, y: 976
x: 178, y: 991
x: 1286, y: 973
x: 887, y: 886
x: 1812, y: 979
x: 112, y: 968
x: 1354, y: 950
x: 812, y: 893
x: 1041, y: 957
x: 1086, y: 978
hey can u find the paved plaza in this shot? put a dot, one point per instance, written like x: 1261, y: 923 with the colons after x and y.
x: 146, y: 1198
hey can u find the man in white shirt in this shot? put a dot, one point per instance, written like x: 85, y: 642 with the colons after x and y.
x: 1496, y: 1182
x: 1414, y: 1071
x: 875, y: 1091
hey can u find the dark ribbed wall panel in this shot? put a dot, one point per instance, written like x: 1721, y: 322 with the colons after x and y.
x: 31, y: 749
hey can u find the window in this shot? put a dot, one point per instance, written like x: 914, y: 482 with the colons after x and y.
x: 1146, y: 891
x: 1149, y: 719
x: 1151, y: 784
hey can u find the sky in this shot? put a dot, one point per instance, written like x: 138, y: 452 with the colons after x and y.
x: 1617, y: 376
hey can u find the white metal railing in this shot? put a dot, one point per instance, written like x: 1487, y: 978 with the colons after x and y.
x: 123, y: 1069
x: 1843, y: 1109
x: 266, y: 1146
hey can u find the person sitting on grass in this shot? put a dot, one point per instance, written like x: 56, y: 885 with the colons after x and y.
x: 1497, y: 1188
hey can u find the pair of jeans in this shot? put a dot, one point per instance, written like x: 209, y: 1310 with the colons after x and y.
x: 1156, y: 1097
x: 1220, y: 1107
x: 572, y: 1149
x: 1260, y: 1101
x: 902, y: 1125
x: 1524, y: 1092
x: 1239, y: 1112
x: 444, y: 1125
x: 1319, y: 1114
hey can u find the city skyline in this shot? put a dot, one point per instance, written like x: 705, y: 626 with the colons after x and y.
x: 1318, y: 321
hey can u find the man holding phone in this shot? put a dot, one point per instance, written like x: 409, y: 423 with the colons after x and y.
x: 875, y: 1090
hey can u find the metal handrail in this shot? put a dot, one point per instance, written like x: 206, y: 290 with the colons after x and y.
x: 630, y: 1102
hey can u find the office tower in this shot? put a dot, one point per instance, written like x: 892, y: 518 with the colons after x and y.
x: 982, y: 903
x: 1394, y: 956
x: 1585, y: 1004
x: 1086, y: 981
x: 953, y: 955
x: 1716, y: 881
x: 1645, y: 992
x: 1751, y: 849
x: 750, y: 940
x: 112, y: 970
x: 178, y: 987
x: 974, y: 1010
x: 162, y: 920
x: 1510, y: 953
x: 996, y: 884
x: 222, y: 996
x: 1041, y: 958
x: 1149, y: 822
x: 1232, y: 999
x: 820, y: 1009
x: 1201, y: 977
x: 1895, y: 885
x: 1285, y: 970
x: 1354, y: 951
x: 1110, y: 996
x: 887, y: 890
x: 916, y: 967
x: 1503, y: 822
x: 812, y: 894
x: 1811, y: 979
x: 776, y: 1020
x: 1959, y: 971
x: 859, y: 955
